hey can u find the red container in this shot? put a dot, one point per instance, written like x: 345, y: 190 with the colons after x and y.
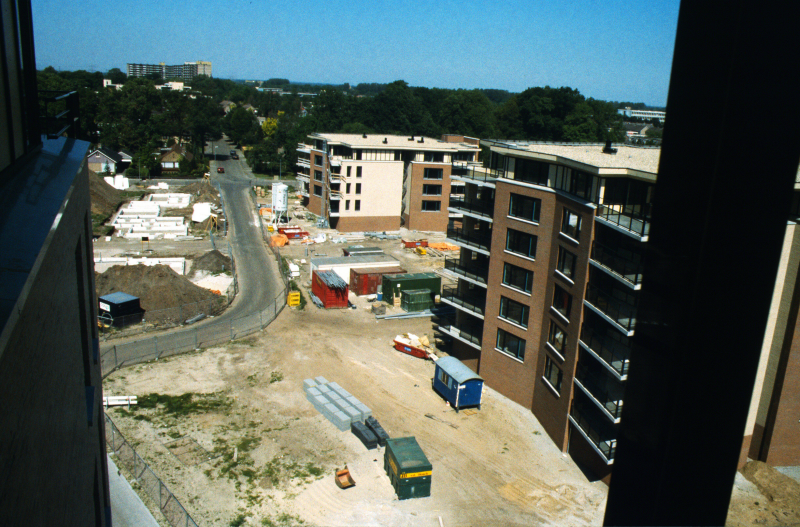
x: 282, y: 229
x: 410, y: 244
x: 365, y: 281
x: 295, y: 235
x: 330, y: 288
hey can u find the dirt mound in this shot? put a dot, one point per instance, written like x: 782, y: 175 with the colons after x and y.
x: 775, y: 486
x: 202, y: 191
x: 105, y: 198
x: 775, y: 500
x: 158, y: 286
x: 213, y: 261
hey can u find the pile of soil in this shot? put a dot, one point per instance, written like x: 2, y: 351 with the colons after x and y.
x: 158, y: 286
x: 213, y: 261
x: 105, y: 198
x: 202, y: 192
x: 776, y: 502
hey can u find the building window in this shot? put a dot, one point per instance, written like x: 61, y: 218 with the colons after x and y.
x: 348, y: 171
x: 514, y: 311
x: 347, y: 204
x: 431, y: 206
x: 358, y: 204
x: 444, y: 378
x: 510, y: 344
x: 524, y: 208
x: 531, y: 171
x: 557, y: 337
x: 431, y: 190
x: 358, y: 155
x: 317, y: 190
x: 571, y: 224
x: 358, y: 188
x: 553, y: 374
x: 433, y: 173
x: 566, y: 263
x: 562, y: 301
x: 433, y: 157
x: 517, y: 277
x: 521, y: 243
x: 318, y: 175
x: 318, y: 161
x: 347, y: 187
x: 358, y: 171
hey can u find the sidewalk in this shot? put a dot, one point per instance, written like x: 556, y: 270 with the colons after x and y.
x: 127, y: 509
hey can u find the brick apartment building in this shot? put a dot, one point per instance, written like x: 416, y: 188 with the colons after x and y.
x: 381, y: 182
x: 552, y: 243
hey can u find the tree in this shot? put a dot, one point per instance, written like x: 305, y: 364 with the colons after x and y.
x: 116, y: 76
x: 241, y: 126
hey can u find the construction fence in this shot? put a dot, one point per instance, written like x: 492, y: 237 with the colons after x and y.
x: 151, y: 484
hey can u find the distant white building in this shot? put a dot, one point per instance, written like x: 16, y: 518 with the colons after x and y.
x: 643, y: 114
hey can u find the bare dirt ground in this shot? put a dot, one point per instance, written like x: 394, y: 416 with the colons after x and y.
x: 496, y: 467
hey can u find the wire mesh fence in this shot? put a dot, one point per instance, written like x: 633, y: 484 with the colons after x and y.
x: 151, y: 484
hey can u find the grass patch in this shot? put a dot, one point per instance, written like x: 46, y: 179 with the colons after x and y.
x: 238, y: 521
x: 275, y: 376
x: 186, y: 404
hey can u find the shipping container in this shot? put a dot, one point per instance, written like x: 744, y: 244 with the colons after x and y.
x: 416, y: 300
x: 365, y: 281
x: 360, y: 250
x: 459, y: 385
x: 411, y: 244
x: 343, y: 264
x: 394, y: 285
x: 120, y: 309
x: 330, y: 289
x: 408, y: 468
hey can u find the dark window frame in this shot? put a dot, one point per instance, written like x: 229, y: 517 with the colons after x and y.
x: 524, y: 207
x: 426, y: 190
x: 505, y: 341
x: 428, y: 171
x: 514, y: 312
x: 573, y: 231
x: 426, y: 203
x: 510, y: 274
x: 513, y: 245
x: 566, y: 262
x: 553, y: 374
x: 562, y: 301
x: 553, y: 337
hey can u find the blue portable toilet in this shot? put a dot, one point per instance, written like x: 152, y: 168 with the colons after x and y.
x: 459, y: 385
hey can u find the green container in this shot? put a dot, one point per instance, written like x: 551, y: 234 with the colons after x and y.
x: 415, y: 300
x: 408, y: 468
x: 395, y: 284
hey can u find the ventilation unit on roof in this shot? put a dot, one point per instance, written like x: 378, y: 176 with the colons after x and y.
x: 411, y: 138
x: 421, y: 140
x: 385, y: 140
x: 607, y: 149
x: 364, y: 136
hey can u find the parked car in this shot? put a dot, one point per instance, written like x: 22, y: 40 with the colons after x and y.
x: 233, y: 153
x: 221, y: 169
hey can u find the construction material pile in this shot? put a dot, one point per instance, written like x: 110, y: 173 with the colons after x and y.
x: 105, y: 198
x: 213, y: 262
x: 202, y: 191
x: 335, y: 403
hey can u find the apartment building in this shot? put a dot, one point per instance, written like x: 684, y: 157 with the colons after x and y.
x: 186, y: 71
x: 382, y: 182
x: 647, y: 115
x: 550, y: 271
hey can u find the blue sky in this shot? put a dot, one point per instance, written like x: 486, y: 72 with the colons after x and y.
x: 610, y: 50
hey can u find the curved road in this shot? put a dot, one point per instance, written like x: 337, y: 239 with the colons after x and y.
x: 257, y: 272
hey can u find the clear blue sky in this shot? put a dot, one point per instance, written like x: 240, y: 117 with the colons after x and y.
x: 610, y: 50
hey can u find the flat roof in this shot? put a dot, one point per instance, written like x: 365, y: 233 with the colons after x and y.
x: 393, y: 142
x: 627, y: 158
x: 352, y: 260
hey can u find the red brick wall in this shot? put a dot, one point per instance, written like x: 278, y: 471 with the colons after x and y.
x: 417, y: 219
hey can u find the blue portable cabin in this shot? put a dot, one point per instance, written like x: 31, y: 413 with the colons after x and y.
x: 459, y: 385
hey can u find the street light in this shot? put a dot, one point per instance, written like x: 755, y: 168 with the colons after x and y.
x: 215, y: 153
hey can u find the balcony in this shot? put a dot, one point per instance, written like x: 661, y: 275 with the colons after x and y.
x: 335, y: 195
x: 303, y: 177
x: 617, y: 262
x: 61, y: 113
x: 601, y: 435
x: 604, y: 391
x: 334, y: 178
x: 472, y: 303
x: 481, y: 209
x: 609, y: 305
x: 475, y: 273
x: 627, y: 222
x: 468, y: 333
x: 476, y: 240
x: 610, y: 351
x: 475, y: 174
x: 303, y: 162
x: 302, y: 147
x: 303, y: 192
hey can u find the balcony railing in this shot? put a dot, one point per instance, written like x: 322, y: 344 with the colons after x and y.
x: 61, y: 113
x: 598, y: 384
x: 336, y: 195
x: 611, y: 351
x: 622, y: 313
x: 478, y: 174
x: 616, y: 262
x: 628, y: 222
x: 477, y: 239
x: 471, y: 333
x: 475, y: 303
x: 479, y: 273
x: 481, y: 208
x: 600, y: 436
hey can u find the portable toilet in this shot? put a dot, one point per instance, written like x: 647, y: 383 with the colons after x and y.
x: 459, y: 385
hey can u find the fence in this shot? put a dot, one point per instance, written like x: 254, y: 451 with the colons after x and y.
x: 195, y: 337
x: 168, y: 504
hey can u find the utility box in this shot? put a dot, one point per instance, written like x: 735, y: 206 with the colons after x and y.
x: 416, y: 300
x: 408, y: 468
x: 120, y: 309
x: 394, y: 285
x: 330, y: 289
x: 365, y: 281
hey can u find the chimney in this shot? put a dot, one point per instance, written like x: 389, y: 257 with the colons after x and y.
x: 385, y: 140
x: 364, y: 136
x: 607, y: 149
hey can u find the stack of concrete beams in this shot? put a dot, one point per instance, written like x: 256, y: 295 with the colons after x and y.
x: 335, y: 403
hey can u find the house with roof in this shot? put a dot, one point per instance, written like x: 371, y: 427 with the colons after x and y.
x: 106, y: 160
x: 170, y: 161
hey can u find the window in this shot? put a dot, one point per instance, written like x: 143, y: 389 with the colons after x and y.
x: 562, y: 301
x: 431, y: 206
x: 348, y: 171
x: 358, y: 188
x: 433, y: 157
x: 514, y: 311
x: 347, y: 188
x: 521, y: 243
x: 358, y: 155
x: 431, y: 190
x: 433, y: 173
x: 557, y: 337
x: 517, y: 277
x: 358, y: 171
x: 318, y: 175
x: 524, y: 208
x: 531, y: 171
x: 318, y: 161
x: 510, y: 344
x: 553, y: 374
x: 317, y: 190
x: 358, y: 204
x: 566, y: 263
x: 444, y: 378
x: 571, y: 224
x: 347, y: 204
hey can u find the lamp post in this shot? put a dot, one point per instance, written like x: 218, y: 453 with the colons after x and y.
x: 215, y: 153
